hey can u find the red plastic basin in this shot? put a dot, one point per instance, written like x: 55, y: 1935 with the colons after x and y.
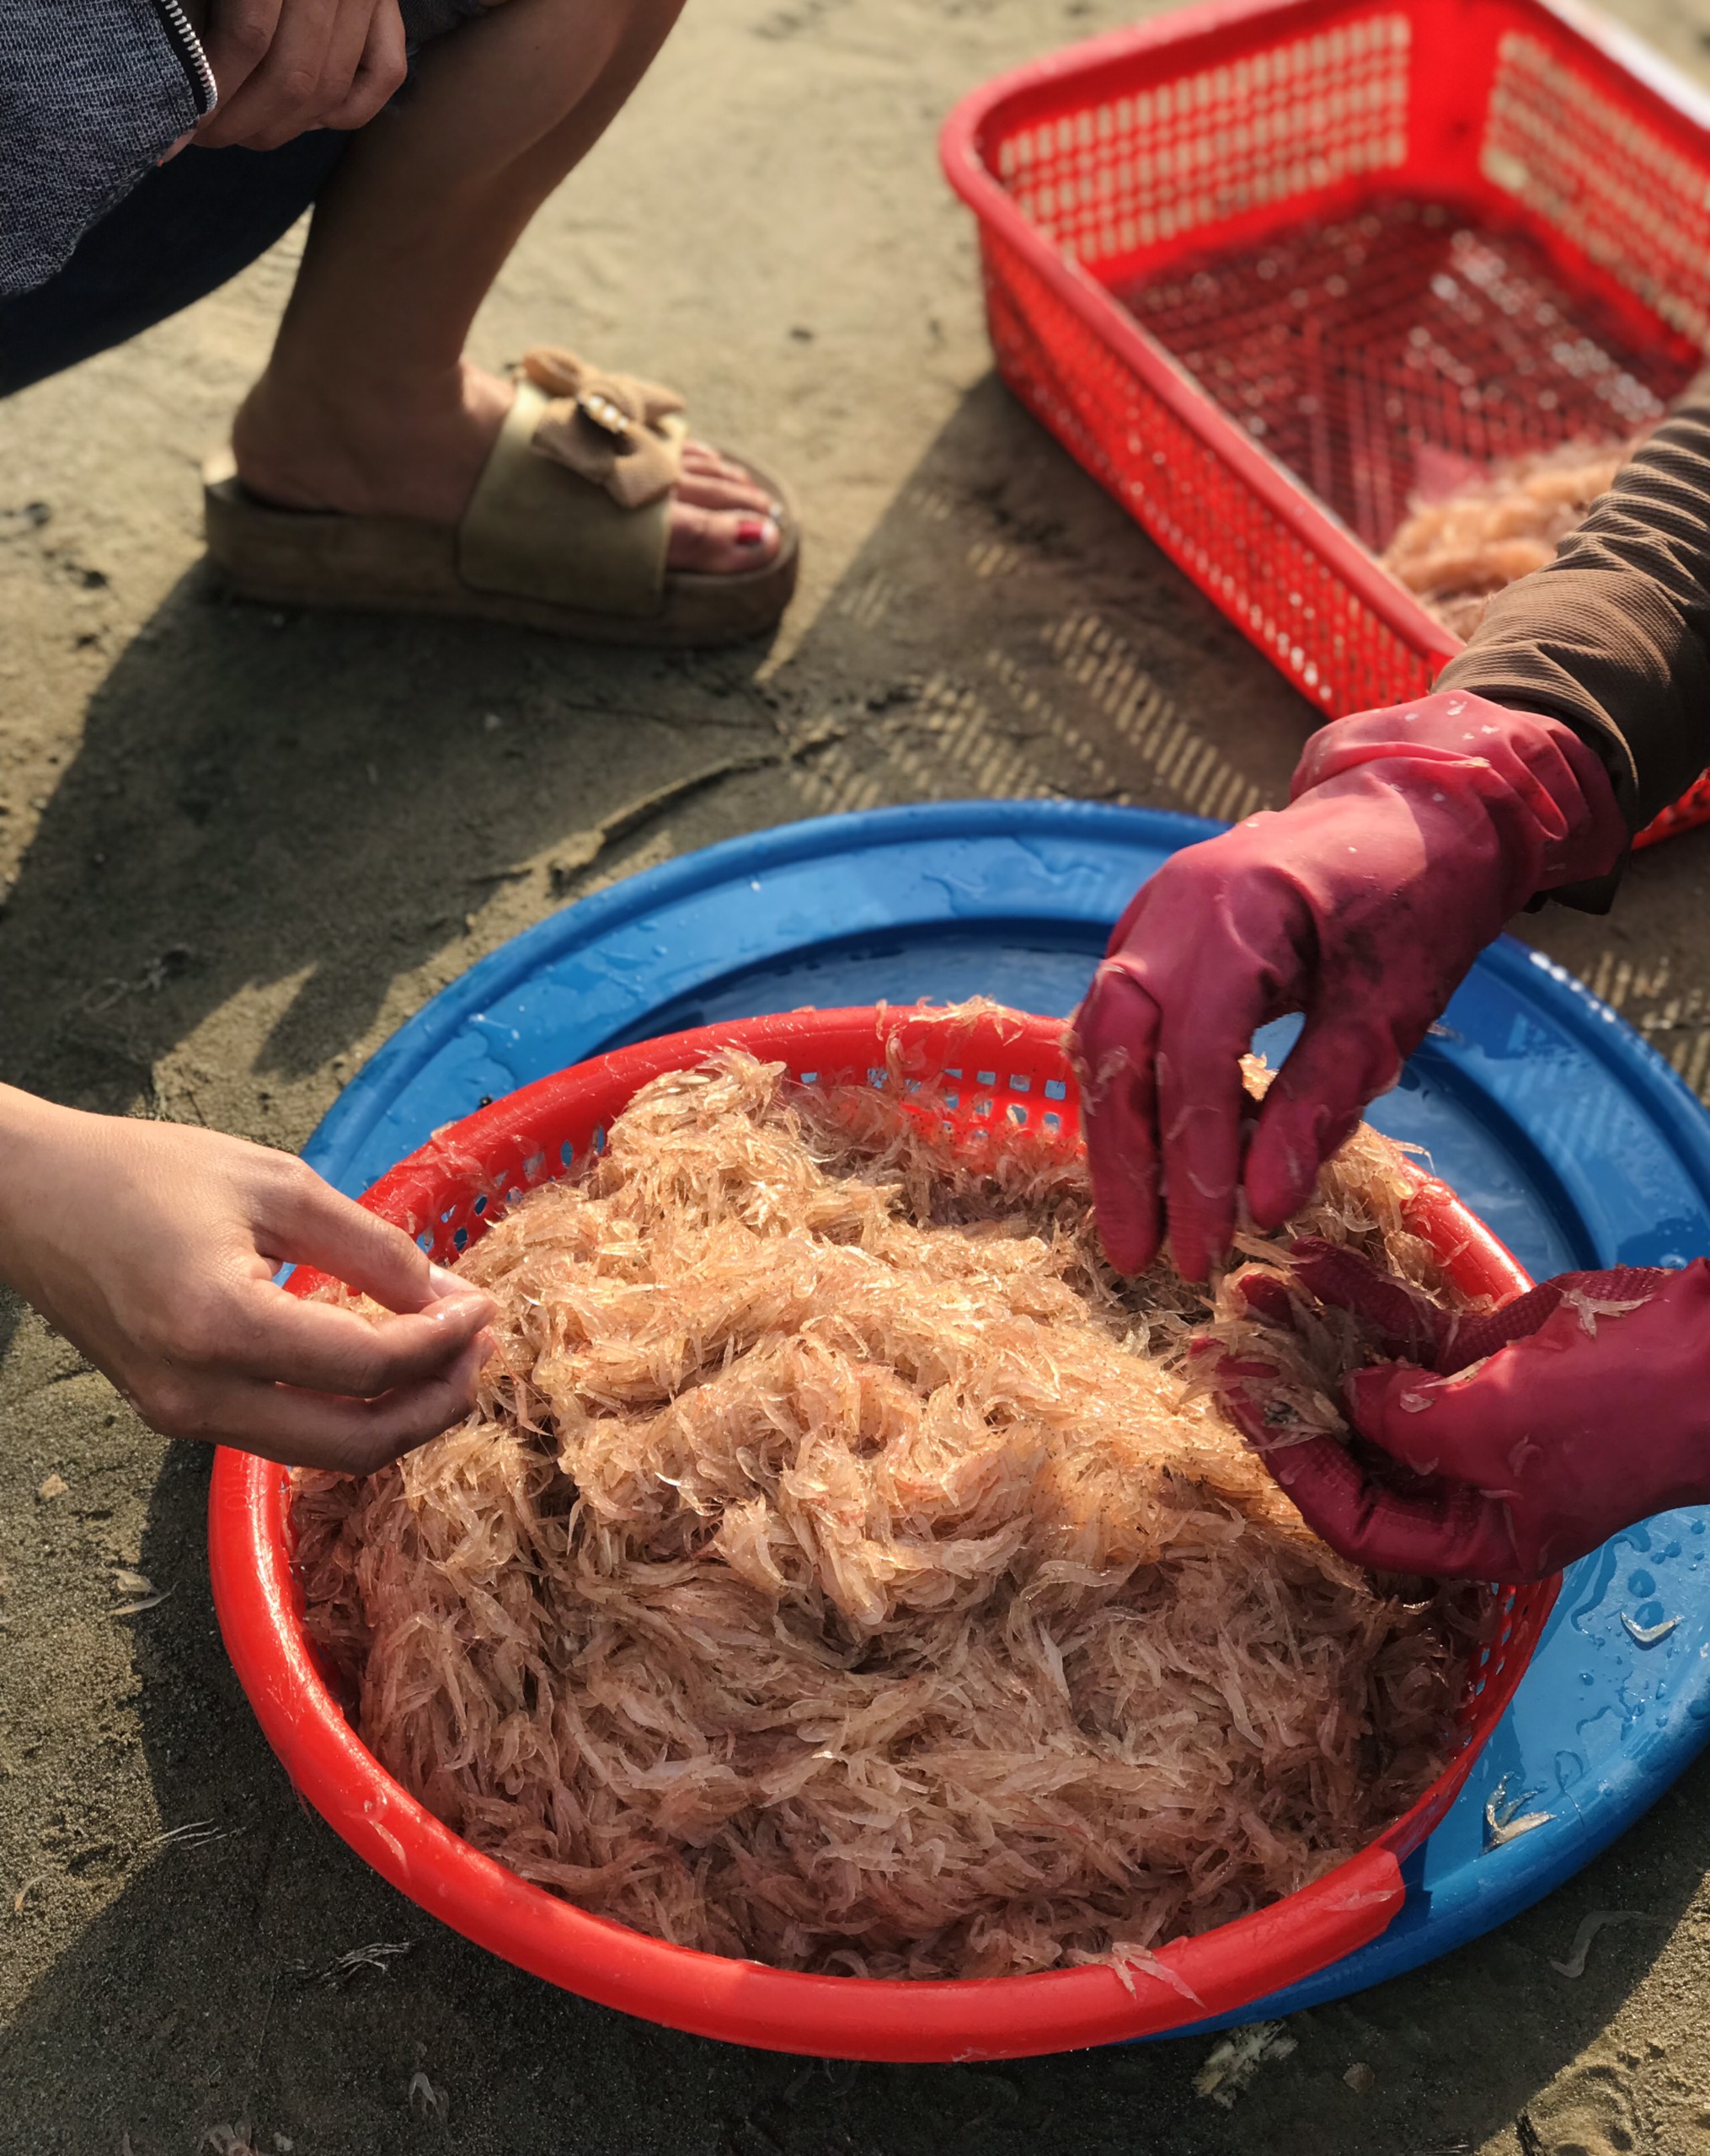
x: 1011, y: 1072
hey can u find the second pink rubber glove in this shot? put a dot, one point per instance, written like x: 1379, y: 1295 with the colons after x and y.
x: 1526, y: 1437
x: 1411, y: 835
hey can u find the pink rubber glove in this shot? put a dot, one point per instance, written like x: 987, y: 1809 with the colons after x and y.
x: 1411, y: 835
x: 1523, y: 1439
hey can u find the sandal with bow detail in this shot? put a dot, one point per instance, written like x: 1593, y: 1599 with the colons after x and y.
x: 567, y: 529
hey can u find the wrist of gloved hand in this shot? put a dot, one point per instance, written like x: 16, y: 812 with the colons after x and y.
x: 1548, y: 796
x: 1505, y: 1444
x: 1413, y: 835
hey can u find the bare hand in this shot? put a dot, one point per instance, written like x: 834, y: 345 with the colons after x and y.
x: 152, y: 1247
x: 284, y: 67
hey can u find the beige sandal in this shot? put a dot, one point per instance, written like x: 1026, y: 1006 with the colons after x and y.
x: 567, y: 529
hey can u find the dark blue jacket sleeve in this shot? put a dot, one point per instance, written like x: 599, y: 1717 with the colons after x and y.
x: 93, y: 93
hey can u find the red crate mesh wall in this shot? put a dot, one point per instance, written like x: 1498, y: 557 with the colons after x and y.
x: 1293, y: 605
x: 1400, y: 346
x: 1123, y: 174
x: 1155, y: 164
x: 1581, y: 162
x: 1578, y: 159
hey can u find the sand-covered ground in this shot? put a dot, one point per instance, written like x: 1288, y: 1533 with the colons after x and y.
x: 238, y: 848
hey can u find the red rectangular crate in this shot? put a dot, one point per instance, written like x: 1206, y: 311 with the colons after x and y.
x: 1268, y: 267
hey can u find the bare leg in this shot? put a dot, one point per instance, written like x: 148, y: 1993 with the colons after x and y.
x: 368, y: 404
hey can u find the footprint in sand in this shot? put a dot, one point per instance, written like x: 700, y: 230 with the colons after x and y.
x: 1586, y: 2112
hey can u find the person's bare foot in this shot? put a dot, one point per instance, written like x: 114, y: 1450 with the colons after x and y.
x: 419, y: 453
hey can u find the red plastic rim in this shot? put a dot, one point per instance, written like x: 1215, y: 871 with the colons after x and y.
x: 1012, y: 1070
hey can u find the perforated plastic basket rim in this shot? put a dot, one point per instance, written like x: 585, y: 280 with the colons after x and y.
x: 258, y: 1603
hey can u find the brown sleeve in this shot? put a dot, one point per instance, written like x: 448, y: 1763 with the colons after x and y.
x: 1613, y: 638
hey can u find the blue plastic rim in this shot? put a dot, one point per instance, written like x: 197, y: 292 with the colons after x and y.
x: 1544, y: 1110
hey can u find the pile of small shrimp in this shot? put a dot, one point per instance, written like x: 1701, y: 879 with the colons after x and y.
x: 838, y: 1571
x: 1458, y: 552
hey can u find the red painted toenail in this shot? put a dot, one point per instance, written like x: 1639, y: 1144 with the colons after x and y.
x: 751, y: 531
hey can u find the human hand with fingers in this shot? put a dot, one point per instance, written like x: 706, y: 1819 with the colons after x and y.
x: 284, y: 67
x: 1501, y: 1446
x: 1411, y: 834
x: 151, y: 1246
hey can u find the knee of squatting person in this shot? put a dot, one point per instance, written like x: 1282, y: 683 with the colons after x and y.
x: 149, y: 150
x: 1580, y: 709
x: 368, y: 410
